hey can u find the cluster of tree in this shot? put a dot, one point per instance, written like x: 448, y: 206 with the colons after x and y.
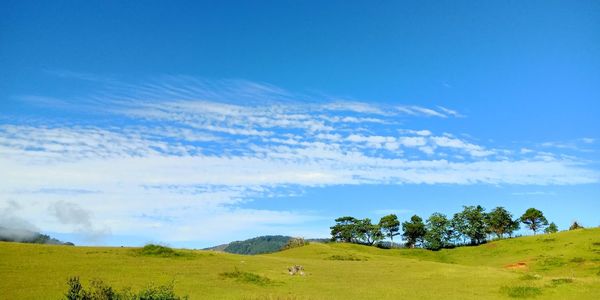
x: 473, y: 226
x: 295, y: 243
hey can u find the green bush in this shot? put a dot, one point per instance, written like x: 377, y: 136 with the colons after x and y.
x: 558, y: 281
x: 98, y: 290
x: 522, y: 291
x: 247, y: 277
x: 158, y: 250
x: 531, y: 277
x: 348, y: 257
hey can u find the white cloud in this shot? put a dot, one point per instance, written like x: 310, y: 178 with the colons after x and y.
x: 450, y: 112
x: 472, y: 149
x: 588, y: 140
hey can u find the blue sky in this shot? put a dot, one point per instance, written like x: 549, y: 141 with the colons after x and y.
x: 196, y: 123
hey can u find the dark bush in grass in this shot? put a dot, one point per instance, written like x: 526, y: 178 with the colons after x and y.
x: 158, y: 292
x: 348, y: 257
x: 578, y: 260
x: 247, y: 277
x: 521, y: 291
x: 559, y: 281
x: 158, y: 250
x: 98, y: 290
x: 530, y: 277
x: 551, y: 262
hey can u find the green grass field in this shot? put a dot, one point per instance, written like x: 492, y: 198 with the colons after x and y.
x: 564, y: 265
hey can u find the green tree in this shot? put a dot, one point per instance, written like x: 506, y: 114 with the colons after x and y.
x: 345, y: 230
x: 552, y: 228
x: 575, y: 225
x: 413, y: 231
x: 534, y: 220
x: 367, y: 232
x: 516, y: 225
x: 472, y: 223
x: 390, y: 226
x: 500, y: 222
x: 438, y: 232
x: 459, y: 226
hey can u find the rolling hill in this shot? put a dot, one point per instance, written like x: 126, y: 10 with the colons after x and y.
x: 564, y: 265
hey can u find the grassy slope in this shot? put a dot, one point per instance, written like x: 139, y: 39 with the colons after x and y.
x: 40, y: 271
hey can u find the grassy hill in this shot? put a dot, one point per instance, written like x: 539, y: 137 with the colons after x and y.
x: 564, y: 265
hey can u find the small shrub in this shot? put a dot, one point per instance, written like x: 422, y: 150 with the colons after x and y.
x: 552, y: 262
x: 158, y: 250
x: 578, y: 260
x: 575, y: 226
x: 531, y: 277
x: 559, y: 281
x: 348, y: 257
x: 75, y: 291
x: 100, y: 291
x: 158, y: 292
x: 247, y: 277
x: 522, y: 291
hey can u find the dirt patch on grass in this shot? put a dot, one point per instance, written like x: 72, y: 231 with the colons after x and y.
x: 517, y: 266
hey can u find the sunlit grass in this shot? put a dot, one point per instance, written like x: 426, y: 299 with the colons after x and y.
x: 568, y: 267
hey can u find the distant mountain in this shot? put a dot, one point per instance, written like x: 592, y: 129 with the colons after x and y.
x: 220, y: 248
x: 28, y: 236
x: 257, y: 245
x: 263, y: 244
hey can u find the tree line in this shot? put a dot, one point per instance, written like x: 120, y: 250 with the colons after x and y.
x: 471, y: 226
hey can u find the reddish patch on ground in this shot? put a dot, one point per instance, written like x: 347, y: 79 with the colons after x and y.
x: 517, y: 266
x: 491, y: 245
